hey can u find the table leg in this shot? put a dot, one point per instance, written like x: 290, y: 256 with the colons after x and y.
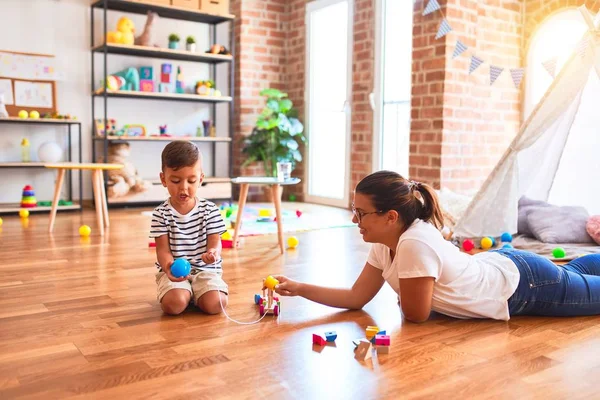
x: 103, y: 194
x: 59, y: 181
x: 276, y: 192
x: 98, y: 200
x: 242, y: 202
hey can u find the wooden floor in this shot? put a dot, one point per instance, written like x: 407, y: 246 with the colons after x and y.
x: 79, y: 319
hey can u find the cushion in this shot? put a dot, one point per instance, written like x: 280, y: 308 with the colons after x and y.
x: 593, y: 228
x: 556, y: 224
x: 526, y: 205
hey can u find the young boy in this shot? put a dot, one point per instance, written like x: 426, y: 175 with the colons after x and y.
x: 185, y: 226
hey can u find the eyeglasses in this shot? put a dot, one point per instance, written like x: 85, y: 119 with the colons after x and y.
x: 360, y: 214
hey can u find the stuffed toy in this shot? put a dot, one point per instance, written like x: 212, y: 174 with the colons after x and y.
x: 593, y: 228
x: 128, y: 79
x: 123, y: 181
x: 124, y: 33
x: 146, y: 38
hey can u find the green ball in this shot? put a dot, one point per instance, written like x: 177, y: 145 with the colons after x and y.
x: 558, y: 252
x: 292, y: 197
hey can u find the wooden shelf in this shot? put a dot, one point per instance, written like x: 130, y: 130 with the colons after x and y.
x: 163, y: 96
x: 40, y: 121
x: 166, y: 139
x: 15, y: 207
x: 157, y: 52
x: 142, y: 7
x: 18, y: 164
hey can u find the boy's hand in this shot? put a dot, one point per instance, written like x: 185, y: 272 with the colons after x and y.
x: 210, y: 257
x: 167, y: 271
x: 287, y: 286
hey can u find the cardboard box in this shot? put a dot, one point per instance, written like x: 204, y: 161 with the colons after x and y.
x: 158, y: 2
x: 220, y: 7
x: 192, y: 4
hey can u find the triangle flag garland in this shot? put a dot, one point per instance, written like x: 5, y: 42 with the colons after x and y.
x: 517, y: 75
x: 432, y: 6
x: 475, y: 63
x: 444, y: 29
x: 550, y: 66
x: 459, y: 49
x: 494, y: 73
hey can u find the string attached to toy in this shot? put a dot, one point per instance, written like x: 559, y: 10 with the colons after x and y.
x: 235, y: 320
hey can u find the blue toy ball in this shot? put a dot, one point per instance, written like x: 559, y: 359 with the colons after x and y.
x: 180, y: 268
x: 507, y: 246
x: 493, y: 241
x: 506, y: 237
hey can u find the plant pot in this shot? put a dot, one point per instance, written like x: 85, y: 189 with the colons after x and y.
x: 190, y: 47
x: 173, y: 45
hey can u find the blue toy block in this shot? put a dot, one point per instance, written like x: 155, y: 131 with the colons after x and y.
x: 330, y: 336
x: 257, y: 298
x: 381, y: 333
x: 147, y: 73
x: 166, y: 68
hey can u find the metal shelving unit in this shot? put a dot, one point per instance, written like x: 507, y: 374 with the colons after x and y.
x: 106, y: 49
x: 13, y: 208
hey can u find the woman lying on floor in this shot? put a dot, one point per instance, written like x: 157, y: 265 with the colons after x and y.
x: 402, y: 219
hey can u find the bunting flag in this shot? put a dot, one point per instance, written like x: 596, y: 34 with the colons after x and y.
x: 517, y: 75
x: 432, y: 6
x: 582, y: 46
x: 550, y: 66
x: 475, y: 63
x: 444, y: 29
x: 494, y: 73
x: 459, y: 49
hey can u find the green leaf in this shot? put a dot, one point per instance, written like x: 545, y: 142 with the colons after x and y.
x: 273, y: 93
x: 285, y: 105
x: 273, y: 104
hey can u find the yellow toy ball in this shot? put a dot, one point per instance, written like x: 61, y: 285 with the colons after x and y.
x: 23, y: 114
x: 1, y: 221
x: 292, y: 242
x: 486, y: 243
x: 85, y: 230
x: 34, y: 114
x: 23, y: 213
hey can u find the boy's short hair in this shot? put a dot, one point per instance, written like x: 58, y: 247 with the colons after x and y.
x: 179, y: 154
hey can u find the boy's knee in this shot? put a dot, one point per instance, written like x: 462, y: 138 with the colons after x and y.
x: 175, y: 302
x: 210, y: 302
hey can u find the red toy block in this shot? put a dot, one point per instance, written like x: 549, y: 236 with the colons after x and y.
x: 382, y: 340
x: 152, y: 244
x: 146, y: 85
x: 318, y: 339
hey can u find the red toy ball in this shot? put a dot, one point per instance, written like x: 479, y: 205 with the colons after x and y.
x: 298, y: 213
x: 468, y: 245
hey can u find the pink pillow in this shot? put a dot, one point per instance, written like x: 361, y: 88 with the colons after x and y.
x: 593, y: 228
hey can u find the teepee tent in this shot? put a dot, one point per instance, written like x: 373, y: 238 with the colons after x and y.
x: 555, y: 157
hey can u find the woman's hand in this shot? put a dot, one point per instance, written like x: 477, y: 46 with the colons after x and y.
x: 167, y: 270
x: 287, y: 286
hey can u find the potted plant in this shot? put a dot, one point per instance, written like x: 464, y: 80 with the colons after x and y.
x: 277, y: 134
x: 190, y: 44
x: 173, y: 41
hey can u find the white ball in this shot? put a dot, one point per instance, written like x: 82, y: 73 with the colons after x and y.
x: 49, y: 152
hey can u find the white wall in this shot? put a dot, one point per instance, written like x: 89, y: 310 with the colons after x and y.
x: 62, y: 28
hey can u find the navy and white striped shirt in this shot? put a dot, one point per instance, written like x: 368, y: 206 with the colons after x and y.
x: 188, y: 233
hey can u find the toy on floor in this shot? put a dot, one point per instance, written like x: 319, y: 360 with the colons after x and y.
x: 1, y: 221
x: 268, y: 303
x: 293, y: 242
x: 363, y: 350
x: 506, y: 237
x: 124, y: 33
x: 272, y: 282
x: 559, y: 252
x: 486, y: 243
x: 180, y: 268
x: 468, y: 245
x: 85, y: 230
x: 23, y: 213
x: 507, y: 246
x: 28, y: 198
x: 298, y: 213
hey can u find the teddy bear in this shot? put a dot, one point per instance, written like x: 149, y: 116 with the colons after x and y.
x: 123, y: 181
x: 125, y: 33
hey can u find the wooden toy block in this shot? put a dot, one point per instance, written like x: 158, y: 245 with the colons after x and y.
x: 318, y: 339
x: 146, y: 73
x: 381, y: 333
x: 363, y: 351
x: 371, y: 331
x: 382, y: 340
x: 356, y: 342
x: 383, y: 349
x: 165, y: 88
x: 331, y: 336
x: 146, y: 85
x: 268, y: 304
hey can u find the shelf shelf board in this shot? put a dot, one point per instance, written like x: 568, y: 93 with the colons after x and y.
x: 163, y: 96
x: 15, y: 207
x: 40, y: 121
x: 19, y: 164
x: 157, y: 52
x: 142, y: 7
x: 165, y: 139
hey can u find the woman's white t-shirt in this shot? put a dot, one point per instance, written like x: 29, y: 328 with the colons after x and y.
x: 465, y: 286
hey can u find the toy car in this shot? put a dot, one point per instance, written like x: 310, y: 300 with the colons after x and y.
x: 267, y: 303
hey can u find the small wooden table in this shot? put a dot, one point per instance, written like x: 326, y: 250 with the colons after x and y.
x: 97, y: 183
x: 276, y: 191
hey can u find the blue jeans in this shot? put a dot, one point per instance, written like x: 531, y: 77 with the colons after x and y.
x: 550, y: 290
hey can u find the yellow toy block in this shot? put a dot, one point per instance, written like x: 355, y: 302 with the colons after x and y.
x: 371, y: 331
x: 264, y: 212
x: 226, y: 235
